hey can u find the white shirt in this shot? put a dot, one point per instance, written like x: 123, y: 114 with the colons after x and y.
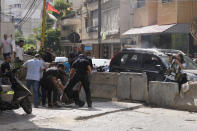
x: 19, y: 52
x: 34, y: 69
x: 6, y: 44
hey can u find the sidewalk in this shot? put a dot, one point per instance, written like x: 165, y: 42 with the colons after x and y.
x: 43, y: 118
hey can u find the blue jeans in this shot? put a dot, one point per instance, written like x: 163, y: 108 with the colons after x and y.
x: 35, y: 84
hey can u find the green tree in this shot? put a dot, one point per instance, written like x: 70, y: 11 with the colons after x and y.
x: 30, y: 39
x: 62, y: 6
x: 19, y: 36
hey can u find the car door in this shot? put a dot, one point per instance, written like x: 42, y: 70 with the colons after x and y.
x: 153, y: 67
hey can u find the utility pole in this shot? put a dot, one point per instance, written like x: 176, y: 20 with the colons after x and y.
x: 99, y: 26
x: 43, y: 23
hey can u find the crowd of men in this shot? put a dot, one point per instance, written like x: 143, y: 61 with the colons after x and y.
x: 49, y: 80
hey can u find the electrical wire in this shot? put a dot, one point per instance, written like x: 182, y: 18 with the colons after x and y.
x: 32, y: 13
x: 28, y: 12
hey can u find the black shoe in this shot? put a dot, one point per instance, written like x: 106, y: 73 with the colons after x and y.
x: 89, y: 104
x: 80, y: 103
x: 56, y: 105
x: 50, y: 106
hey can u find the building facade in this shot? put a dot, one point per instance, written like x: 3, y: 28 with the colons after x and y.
x: 110, y: 27
x: 71, y: 28
x: 116, y: 18
x: 6, y: 21
x: 165, y: 24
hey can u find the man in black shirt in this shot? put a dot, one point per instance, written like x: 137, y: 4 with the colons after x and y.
x: 5, y: 67
x: 80, y: 71
x: 47, y: 82
x: 48, y: 57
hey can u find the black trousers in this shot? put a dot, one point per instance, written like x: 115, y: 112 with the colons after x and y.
x: 49, y: 90
x: 183, y: 81
x: 52, y: 91
x: 84, y: 79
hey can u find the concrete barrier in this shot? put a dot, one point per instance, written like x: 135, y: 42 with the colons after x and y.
x: 187, y: 100
x: 163, y: 93
x: 167, y: 95
x: 104, y: 85
x: 132, y: 86
x: 123, y: 86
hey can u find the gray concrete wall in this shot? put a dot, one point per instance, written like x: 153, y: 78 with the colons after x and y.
x: 104, y: 85
x: 132, y: 86
x: 123, y: 86
x: 162, y: 94
x: 167, y: 95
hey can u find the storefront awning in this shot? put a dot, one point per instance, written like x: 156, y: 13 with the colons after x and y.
x: 153, y: 29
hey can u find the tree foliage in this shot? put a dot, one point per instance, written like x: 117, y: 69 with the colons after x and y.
x: 19, y: 36
x: 62, y: 6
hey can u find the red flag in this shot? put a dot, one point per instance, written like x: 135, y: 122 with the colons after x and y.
x: 51, y: 8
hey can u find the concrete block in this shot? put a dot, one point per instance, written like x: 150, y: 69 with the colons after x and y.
x: 104, y: 85
x: 187, y: 100
x: 132, y: 86
x: 162, y: 93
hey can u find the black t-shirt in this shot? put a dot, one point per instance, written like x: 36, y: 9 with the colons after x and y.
x: 5, y: 66
x: 81, y: 66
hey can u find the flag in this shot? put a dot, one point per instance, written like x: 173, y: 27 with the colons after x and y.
x: 51, y: 8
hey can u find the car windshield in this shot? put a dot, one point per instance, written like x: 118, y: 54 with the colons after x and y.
x: 190, y: 65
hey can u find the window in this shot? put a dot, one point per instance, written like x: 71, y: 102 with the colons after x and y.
x: 134, y: 60
x: 124, y: 59
x: 94, y: 17
x: 17, y: 5
x: 140, y: 3
x: 165, y: 1
x: 150, y: 62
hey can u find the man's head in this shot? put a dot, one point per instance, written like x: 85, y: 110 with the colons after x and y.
x: 37, y: 56
x: 47, y: 50
x: 71, y: 57
x: 5, y: 36
x: 8, y: 59
x: 170, y: 56
x: 60, y: 67
x: 21, y: 43
x: 82, y: 48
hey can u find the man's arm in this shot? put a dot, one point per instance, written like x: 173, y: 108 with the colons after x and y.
x: 72, y: 71
x: 25, y: 65
x: 89, y: 69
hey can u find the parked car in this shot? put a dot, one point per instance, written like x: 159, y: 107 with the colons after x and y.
x: 101, y: 65
x: 61, y: 59
x: 152, y: 61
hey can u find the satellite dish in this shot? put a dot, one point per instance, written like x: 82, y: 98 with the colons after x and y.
x: 193, y: 29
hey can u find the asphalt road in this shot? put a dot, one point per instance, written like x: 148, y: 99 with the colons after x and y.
x: 105, y: 116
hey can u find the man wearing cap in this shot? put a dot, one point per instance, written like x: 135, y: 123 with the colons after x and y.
x: 34, y: 68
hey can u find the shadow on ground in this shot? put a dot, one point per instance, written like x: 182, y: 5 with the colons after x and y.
x: 11, y: 121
